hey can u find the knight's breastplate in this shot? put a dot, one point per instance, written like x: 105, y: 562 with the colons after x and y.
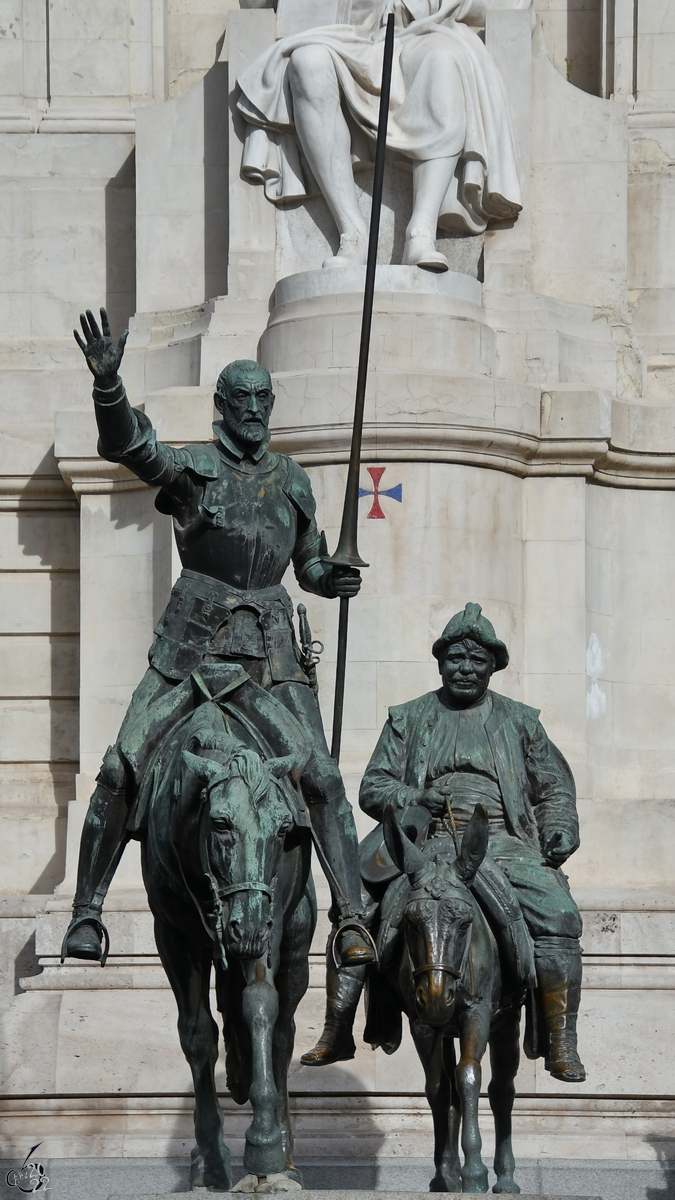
x: 244, y: 529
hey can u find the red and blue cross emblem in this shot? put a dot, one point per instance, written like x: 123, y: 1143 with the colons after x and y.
x: 394, y: 493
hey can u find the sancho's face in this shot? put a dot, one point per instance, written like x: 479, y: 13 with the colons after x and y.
x: 466, y: 671
x: 246, y: 405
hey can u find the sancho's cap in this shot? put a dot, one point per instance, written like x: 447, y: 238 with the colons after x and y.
x: 470, y: 623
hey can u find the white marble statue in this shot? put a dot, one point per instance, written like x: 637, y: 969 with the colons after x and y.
x: 312, y: 100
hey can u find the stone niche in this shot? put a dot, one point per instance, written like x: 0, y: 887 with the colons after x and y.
x: 508, y: 398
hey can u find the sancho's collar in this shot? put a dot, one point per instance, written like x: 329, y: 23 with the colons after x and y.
x: 233, y: 450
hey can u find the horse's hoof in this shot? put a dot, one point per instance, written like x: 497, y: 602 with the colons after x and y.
x: 476, y: 1185
x: 450, y: 1182
x: 506, y: 1188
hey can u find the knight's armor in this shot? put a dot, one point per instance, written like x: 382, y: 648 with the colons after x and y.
x: 240, y: 519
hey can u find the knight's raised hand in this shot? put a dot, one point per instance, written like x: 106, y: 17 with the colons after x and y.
x: 102, y: 355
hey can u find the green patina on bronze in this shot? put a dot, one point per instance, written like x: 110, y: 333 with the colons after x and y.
x: 229, y: 700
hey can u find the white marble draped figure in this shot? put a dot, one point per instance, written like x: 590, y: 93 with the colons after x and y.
x: 312, y: 103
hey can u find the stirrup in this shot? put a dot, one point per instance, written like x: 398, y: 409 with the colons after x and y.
x: 89, y: 918
x: 359, y: 927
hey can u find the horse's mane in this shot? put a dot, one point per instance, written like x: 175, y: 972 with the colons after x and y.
x: 208, y: 730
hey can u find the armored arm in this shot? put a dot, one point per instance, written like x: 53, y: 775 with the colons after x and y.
x: 125, y: 434
x: 553, y: 796
x: 312, y: 569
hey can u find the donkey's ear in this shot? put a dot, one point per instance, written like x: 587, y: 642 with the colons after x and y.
x: 405, y: 854
x: 474, y: 845
x: 206, y: 769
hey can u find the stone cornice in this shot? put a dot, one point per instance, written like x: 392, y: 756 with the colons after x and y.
x: 21, y: 492
x: 96, y: 476
x: 595, y: 459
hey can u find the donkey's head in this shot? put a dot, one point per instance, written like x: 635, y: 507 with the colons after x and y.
x: 243, y: 821
x: 438, y: 915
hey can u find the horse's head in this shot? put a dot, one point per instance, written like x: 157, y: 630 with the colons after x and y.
x: 438, y: 914
x: 243, y: 822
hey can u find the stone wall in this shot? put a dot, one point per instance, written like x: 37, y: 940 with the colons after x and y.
x: 528, y: 416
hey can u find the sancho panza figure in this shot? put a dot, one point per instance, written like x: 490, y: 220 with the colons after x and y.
x: 312, y: 101
x: 465, y: 744
x: 241, y: 514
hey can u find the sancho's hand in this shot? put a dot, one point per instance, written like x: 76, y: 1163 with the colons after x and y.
x: 102, y: 355
x: 558, y: 848
x: 434, y: 800
x: 345, y: 582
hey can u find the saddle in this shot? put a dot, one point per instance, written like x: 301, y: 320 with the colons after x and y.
x: 493, y: 891
x: 260, y: 721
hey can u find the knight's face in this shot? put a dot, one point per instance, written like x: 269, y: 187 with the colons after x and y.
x: 246, y: 406
x: 466, y: 671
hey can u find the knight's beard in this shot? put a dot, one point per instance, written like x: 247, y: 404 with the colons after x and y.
x: 248, y: 432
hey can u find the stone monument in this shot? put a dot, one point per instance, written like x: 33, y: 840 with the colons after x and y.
x: 519, y: 416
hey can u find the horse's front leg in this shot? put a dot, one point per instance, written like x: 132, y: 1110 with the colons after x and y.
x: 474, y: 1028
x: 504, y: 1057
x: 292, y: 981
x: 187, y: 962
x: 264, y: 1152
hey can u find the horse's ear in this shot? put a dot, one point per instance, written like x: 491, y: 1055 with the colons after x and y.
x: 405, y: 854
x: 290, y: 764
x: 474, y: 845
x: 204, y: 768
x: 278, y: 767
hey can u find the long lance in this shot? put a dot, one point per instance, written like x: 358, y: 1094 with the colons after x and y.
x: 347, y: 554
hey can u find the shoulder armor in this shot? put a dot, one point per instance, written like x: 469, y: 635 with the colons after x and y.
x: 202, y: 458
x: 298, y: 487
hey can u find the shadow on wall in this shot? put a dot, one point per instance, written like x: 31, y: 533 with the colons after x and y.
x: 216, y: 193
x: 664, y: 1149
x: 52, y: 537
x: 120, y: 245
x: 584, y: 46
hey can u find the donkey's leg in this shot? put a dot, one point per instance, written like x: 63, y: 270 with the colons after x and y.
x: 474, y: 1029
x: 188, y: 966
x: 504, y: 1057
x: 455, y: 1111
x: 429, y: 1045
x: 264, y: 1152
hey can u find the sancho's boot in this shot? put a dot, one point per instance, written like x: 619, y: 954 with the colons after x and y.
x: 343, y: 989
x: 558, y: 961
x: 103, y: 840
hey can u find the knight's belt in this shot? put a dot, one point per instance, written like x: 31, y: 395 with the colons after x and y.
x: 466, y: 789
x: 205, y: 616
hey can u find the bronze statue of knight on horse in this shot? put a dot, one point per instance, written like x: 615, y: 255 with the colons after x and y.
x: 222, y: 771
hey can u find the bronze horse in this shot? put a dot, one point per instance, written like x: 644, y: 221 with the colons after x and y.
x: 441, y: 966
x: 226, y: 863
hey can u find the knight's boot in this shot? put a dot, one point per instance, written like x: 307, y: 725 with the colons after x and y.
x: 558, y: 962
x: 351, y: 944
x: 101, y: 846
x: 343, y: 990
